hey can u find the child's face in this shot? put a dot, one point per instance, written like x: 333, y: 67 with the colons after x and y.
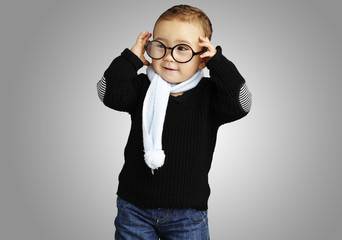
x: 171, y: 33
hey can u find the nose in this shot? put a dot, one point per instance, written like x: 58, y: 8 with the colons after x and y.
x: 168, y: 55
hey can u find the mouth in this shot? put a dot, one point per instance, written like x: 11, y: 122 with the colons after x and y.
x: 170, y: 69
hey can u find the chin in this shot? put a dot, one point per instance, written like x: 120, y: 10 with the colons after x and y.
x: 173, y: 81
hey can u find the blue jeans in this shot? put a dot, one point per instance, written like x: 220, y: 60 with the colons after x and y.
x: 133, y: 223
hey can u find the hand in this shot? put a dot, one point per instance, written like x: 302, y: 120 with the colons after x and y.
x: 138, y: 48
x: 204, y: 42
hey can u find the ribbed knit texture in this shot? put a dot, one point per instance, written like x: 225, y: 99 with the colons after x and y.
x: 189, y: 134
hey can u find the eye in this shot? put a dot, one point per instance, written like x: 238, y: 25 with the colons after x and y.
x: 183, y: 48
x: 159, y: 45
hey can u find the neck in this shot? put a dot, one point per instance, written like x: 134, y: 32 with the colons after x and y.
x: 176, y: 94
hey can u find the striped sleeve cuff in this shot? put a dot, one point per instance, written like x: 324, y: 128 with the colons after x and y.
x: 245, y: 98
x: 101, y: 88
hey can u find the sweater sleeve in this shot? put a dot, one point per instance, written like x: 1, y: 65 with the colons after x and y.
x: 231, y: 99
x: 119, y: 87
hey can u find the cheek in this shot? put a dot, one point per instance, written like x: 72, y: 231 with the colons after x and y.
x: 155, y: 65
x: 197, y: 60
x: 192, y: 66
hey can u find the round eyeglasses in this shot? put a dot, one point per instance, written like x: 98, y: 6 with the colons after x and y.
x: 181, y: 53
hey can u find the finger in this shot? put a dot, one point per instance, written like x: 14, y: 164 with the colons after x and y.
x: 210, y: 53
x: 207, y: 55
x: 146, y: 63
x: 145, y: 35
x: 145, y: 38
x: 142, y: 37
x: 208, y: 45
x: 204, y: 39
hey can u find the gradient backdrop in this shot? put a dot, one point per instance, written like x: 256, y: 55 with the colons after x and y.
x: 276, y: 173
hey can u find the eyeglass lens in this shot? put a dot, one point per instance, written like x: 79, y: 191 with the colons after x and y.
x: 181, y: 52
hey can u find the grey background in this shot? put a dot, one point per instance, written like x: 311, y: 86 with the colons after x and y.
x: 276, y: 173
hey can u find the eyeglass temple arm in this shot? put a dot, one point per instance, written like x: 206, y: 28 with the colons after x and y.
x: 203, y: 51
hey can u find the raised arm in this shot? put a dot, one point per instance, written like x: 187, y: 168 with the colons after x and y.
x: 232, y: 99
x: 119, y: 87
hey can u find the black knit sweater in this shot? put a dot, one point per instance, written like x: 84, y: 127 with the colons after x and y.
x: 189, y: 135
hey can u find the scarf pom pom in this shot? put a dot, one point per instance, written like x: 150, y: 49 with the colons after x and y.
x: 154, y: 158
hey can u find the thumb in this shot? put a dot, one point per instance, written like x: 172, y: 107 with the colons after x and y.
x: 145, y: 62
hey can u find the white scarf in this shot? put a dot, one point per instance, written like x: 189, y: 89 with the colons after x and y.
x: 154, y: 109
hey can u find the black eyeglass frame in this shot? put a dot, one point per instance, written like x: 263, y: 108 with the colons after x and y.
x: 172, y: 48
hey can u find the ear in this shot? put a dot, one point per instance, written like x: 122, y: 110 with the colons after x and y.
x: 202, y: 63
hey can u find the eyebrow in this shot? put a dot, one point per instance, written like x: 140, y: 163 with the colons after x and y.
x: 178, y: 41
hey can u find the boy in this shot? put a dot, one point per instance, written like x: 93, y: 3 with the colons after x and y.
x: 175, y: 115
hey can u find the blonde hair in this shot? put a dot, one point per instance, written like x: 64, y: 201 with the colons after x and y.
x: 188, y: 13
